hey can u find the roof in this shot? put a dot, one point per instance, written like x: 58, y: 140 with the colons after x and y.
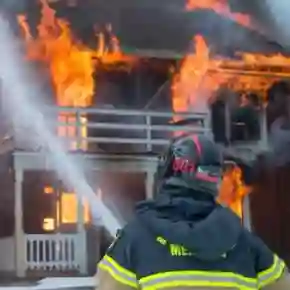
x: 161, y: 29
x: 162, y: 35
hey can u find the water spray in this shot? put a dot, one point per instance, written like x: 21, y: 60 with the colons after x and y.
x: 23, y: 100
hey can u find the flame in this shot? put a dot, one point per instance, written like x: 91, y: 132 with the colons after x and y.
x: 233, y: 190
x: 71, y: 65
x: 193, y: 85
x: 200, y: 75
x: 220, y: 7
x: 277, y: 60
x: 187, y: 81
x: 67, y: 207
x: 66, y: 210
x: 48, y: 224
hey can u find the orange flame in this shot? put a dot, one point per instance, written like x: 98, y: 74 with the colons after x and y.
x: 66, y: 210
x: 71, y: 64
x: 220, y: 7
x: 193, y: 85
x: 200, y: 75
x: 187, y: 81
x: 233, y: 191
x: 71, y: 67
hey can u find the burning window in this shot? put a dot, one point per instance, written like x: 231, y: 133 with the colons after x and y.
x: 66, y: 210
x: 48, y: 224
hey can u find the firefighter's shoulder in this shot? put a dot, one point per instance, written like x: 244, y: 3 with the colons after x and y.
x: 117, y: 268
x: 270, y: 268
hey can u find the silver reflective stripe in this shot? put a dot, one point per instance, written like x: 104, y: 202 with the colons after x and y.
x: 272, y: 273
x: 117, y: 272
x: 195, y: 278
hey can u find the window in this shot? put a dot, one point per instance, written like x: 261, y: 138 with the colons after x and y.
x: 48, y: 224
x: 68, y: 210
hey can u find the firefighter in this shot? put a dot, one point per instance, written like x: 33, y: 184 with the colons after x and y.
x: 184, y: 238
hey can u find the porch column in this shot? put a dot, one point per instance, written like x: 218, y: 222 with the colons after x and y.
x: 81, y: 234
x: 149, y: 184
x: 20, y: 246
x: 247, y: 213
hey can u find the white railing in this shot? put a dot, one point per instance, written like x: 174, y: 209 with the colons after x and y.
x: 144, y: 129
x: 51, y: 252
x: 138, y: 130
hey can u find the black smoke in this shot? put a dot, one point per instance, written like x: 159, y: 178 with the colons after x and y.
x: 162, y: 25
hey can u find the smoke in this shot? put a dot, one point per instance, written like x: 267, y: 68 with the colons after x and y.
x: 277, y: 13
x: 12, y: 5
x: 280, y: 142
x: 23, y: 103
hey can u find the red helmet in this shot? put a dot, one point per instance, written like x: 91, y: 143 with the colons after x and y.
x: 192, y: 161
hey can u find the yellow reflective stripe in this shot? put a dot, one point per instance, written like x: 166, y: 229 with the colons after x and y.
x: 119, y: 267
x: 191, y: 283
x: 118, y: 272
x: 198, y: 279
x: 271, y: 274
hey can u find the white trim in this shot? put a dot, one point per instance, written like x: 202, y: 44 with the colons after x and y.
x: 20, y: 259
x: 120, y: 163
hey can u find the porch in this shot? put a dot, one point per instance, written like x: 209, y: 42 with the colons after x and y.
x: 56, y: 253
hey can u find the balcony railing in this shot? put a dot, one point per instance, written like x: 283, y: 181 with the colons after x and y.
x: 92, y: 129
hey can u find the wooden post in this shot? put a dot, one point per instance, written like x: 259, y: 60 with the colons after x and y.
x: 20, y: 246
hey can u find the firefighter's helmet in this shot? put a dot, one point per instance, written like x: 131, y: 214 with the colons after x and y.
x: 192, y: 161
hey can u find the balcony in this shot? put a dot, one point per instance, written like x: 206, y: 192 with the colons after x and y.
x: 133, y: 132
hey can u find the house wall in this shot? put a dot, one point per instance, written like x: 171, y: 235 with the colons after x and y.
x: 270, y: 210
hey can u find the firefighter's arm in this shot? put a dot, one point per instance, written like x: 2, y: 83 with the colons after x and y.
x: 271, y: 271
x: 115, y: 271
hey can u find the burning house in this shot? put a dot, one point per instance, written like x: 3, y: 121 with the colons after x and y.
x: 98, y: 90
